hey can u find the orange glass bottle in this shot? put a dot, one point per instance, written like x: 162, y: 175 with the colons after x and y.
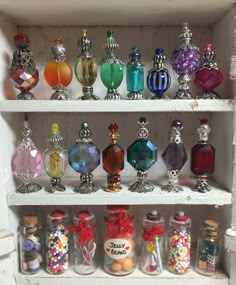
x: 58, y: 72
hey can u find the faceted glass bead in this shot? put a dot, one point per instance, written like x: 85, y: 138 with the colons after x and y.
x: 174, y: 156
x: 113, y: 159
x: 58, y: 73
x: 27, y: 162
x: 142, y: 154
x: 158, y: 81
x: 134, y: 78
x: 208, y: 78
x: 111, y: 74
x: 23, y: 80
x: 86, y: 70
x: 203, y: 159
x: 84, y: 157
x: 55, y: 162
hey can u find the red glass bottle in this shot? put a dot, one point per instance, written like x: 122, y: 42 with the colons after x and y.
x: 202, y: 158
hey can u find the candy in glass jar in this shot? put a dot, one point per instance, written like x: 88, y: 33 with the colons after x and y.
x: 57, y: 245
x: 179, y: 244
x: 30, y: 245
x: 152, y: 244
x: 208, y: 248
x: 119, y: 241
x: 85, y: 242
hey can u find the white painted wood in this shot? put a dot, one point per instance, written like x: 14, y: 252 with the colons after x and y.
x: 7, y: 242
x: 230, y: 240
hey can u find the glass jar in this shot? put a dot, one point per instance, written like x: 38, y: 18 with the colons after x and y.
x: 152, y: 244
x: 30, y: 245
x: 85, y: 242
x: 208, y: 248
x: 119, y: 241
x: 57, y: 245
x: 179, y: 244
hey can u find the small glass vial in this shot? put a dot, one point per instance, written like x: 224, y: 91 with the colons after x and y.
x: 179, y: 244
x: 119, y: 241
x: 208, y: 248
x: 57, y: 245
x: 30, y: 245
x: 85, y: 243
x: 152, y: 251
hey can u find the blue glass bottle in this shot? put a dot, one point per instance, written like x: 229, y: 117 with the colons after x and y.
x: 135, y: 75
x: 158, y: 79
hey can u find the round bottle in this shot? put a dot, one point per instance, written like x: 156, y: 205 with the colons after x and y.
x: 57, y: 244
x: 85, y: 243
x: 119, y: 241
x: 152, y: 244
x: 30, y: 245
x: 208, y: 248
x: 179, y: 244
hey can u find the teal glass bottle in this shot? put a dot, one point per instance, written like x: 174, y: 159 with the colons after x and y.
x: 111, y: 70
x: 135, y: 75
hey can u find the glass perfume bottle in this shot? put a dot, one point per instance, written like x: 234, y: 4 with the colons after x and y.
x: 202, y: 158
x: 113, y: 160
x: 158, y: 78
x: 208, y: 77
x: 135, y: 75
x: 174, y: 157
x: 142, y: 155
x: 86, y: 68
x: 27, y: 162
x: 185, y: 60
x: 55, y: 161
x: 23, y: 72
x: 58, y: 72
x: 111, y: 70
x: 84, y: 157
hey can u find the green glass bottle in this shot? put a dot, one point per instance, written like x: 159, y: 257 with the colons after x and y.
x: 111, y: 70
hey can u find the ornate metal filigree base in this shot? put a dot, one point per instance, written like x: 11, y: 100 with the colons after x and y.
x: 25, y: 95
x: 141, y: 186
x: 173, y: 179
x: 86, y: 186
x: 88, y: 94
x: 55, y: 185
x: 28, y: 188
x: 113, y: 187
x: 59, y: 95
x: 112, y: 94
x: 202, y: 185
x: 208, y: 95
x: 183, y: 92
x: 134, y: 96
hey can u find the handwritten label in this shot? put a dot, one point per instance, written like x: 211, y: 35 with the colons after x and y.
x: 117, y: 248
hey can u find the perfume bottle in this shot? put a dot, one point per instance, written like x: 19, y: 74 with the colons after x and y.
x: 58, y: 73
x: 84, y: 157
x: 86, y: 68
x: 27, y: 162
x: 111, y: 70
x: 174, y: 157
x: 23, y: 72
x: 135, y: 75
x: 185, y: 60
x: 55, y: 161
x: 142, y: 155
x: 202, y: 158
x: 158, y: 78
x: 113, y: 160
x: 208, y: 77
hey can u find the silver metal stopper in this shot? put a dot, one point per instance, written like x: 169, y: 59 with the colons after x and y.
x: 177, y: 126
x: 58, y: 51
x: 143, y: 131
x: 85, y: 133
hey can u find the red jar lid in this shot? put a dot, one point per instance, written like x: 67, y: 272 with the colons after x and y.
x: 203, y: 122
x: 83, y: 215
x: 154, y: 216
x: 118, y: 208
x: 58, y: 215
x: 180, y: 217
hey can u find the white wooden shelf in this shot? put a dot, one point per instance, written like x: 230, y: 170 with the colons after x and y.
x: 137, y: 278
x: 217, y: 196
x: 165, y: 105
x: 7, y: 242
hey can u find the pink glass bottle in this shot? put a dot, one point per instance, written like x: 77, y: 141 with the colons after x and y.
x: 202, y: 158
x: 208, y: 77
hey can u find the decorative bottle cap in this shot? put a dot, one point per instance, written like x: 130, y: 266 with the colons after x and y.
x: 208, y: 57
x: 211, y: 224
x: 58, y: 216
x: 21, y: 41
x: 180, y: 217
x: 56, y: 137
x: 143, y: 131
x: 26, y: 132
x: 159, y: 58
x: 134, y: 54
x: 185, y: 36
x: 84, y: 215
x: 111, y: 45
x: 85, y: 133
x: 154, y: 216
x: 114, y: 135
x: 177, y: 126
x: 58, y: 51
x: 30, y: 220
x: 84, y: 43
x: 203, y: 131
x: 118, y: 208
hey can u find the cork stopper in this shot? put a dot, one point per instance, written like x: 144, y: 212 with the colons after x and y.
x: 211, y: 228
x: 30, y: 221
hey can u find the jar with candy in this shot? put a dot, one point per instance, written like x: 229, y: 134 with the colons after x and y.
x: 208, y: 248
x: 119, y: 241
x: 152, y: 244
x: 30, y: 245
x: 179, y: 244
x: 85, y: 242
x: 57, y: 243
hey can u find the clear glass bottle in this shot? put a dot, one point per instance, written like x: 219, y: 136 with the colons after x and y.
x: 152, y: 250
x: 179, y: 244
x: 208, y: 248
x: 57, y: 243
x: 119, y: 241
x: 30, y: 245
x: 85, y: 244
